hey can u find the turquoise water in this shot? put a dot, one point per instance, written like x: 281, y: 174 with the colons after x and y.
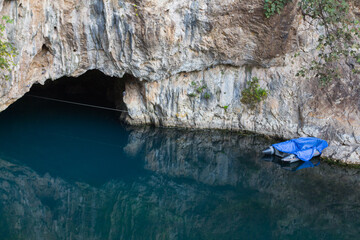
x: 71, y: 172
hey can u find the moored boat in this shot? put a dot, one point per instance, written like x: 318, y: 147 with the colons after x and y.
x: 297, y: 149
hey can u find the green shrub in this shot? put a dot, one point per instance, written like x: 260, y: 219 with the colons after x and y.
x: 200, y: 89
x: 272, y: 7
x: 253, y: 94
x: 207, y: 95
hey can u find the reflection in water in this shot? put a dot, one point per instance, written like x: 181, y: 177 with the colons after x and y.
x: 72, y: 174
x: 207, y: 156
x: 295, y: 166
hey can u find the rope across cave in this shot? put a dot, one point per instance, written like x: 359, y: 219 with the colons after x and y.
x: 75, y: 103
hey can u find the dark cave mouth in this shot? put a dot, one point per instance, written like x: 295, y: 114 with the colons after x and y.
x: 92, y: 88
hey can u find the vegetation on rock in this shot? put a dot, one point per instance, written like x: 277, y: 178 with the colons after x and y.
x: 253, y: 94
x: 199, y: 89
x: 338, y: 42
x: 207, y: 95
x: 225, y: 107
x: 272, y: 7
x: 7, y: 51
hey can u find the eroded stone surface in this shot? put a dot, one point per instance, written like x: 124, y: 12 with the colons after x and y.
x: 172, y: 45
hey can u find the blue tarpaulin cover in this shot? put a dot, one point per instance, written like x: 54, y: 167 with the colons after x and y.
x: 304, y: 148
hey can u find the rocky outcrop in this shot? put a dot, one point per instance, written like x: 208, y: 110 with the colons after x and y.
x: 171, y: 48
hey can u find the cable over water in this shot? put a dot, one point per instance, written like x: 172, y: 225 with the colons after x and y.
x: 76, y: 103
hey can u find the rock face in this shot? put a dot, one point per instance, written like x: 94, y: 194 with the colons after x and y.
x: 171, y: 48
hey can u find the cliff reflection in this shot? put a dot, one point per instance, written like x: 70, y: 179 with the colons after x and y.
x: 211, y: 157
x: 154, y: 207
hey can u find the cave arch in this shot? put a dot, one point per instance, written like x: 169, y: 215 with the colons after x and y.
x: 91, y: 88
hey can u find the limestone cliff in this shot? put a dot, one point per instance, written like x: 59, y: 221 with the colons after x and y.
x: 172, y: 46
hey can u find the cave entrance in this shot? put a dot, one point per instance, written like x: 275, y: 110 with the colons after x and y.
x: 48, y: 130
x: 92, y: 89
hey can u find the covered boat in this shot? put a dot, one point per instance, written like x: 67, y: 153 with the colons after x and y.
x: 297, y: 149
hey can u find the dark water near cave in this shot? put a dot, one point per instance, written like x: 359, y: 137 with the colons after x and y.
x: 70, y: 172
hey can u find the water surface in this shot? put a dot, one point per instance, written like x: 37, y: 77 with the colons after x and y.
x: 70, y: 172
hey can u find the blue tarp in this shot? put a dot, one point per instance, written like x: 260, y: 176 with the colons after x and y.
x: 304, y: 148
